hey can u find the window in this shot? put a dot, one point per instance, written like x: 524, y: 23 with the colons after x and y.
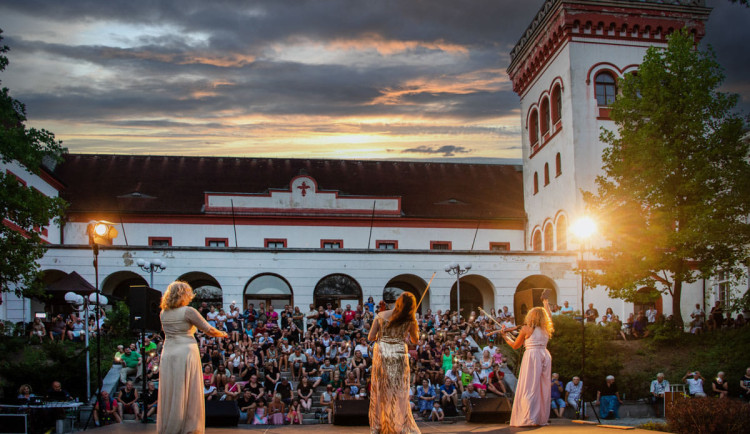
x: 536, y: 183
x: 386, y: 245
x: 499, y: 247
x: 605, y: 88
x: 558, y: 165
x: 536, y: 241
x: 534, y: 128
x: 275, y: 243
x: 723, y: 289
x: 217, y: 242
x: 556, y: 104
x: 441, y: 245
x: 331, y: 244
x: 562, y: 233
x: 549, y: 241
x: 545, y: 116
x: 159, y: 241
x: 546, y: 174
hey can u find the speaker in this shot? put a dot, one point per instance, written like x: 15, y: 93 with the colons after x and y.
x: 222, y: 413
x: 495, y: 410
x: 145, y: 308
x: 351, y: 412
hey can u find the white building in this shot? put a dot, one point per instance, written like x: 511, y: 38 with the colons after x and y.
x: 317, y: 231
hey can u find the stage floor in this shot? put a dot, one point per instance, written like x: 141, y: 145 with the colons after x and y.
x: 556, y: 427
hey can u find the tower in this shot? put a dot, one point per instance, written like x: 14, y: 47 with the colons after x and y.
x: 565, y: 69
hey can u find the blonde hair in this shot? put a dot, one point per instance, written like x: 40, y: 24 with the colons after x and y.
x: 178, y: 294
x: 538, y: 317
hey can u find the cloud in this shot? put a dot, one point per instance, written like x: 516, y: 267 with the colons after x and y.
x: 446, y: 150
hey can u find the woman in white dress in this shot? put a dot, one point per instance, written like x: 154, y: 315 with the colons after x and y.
x: 180, y: 403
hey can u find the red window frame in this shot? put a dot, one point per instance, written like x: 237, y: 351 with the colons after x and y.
x: 378, y: 243
x: 267, y: 241
x: 323, y: 242
x: 152, y: 239
x: 504, y: 244
x: 209, y: 240
x: 443, y: 243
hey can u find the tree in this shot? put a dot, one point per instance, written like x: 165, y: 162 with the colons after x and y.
x: 676, y: 185
x: 23, y: 210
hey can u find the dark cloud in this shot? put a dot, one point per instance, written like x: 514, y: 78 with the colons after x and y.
x: 446, y: 150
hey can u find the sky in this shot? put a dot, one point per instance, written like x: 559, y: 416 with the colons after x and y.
x: 383, y: 79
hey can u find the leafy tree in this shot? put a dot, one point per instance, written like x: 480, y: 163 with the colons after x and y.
x: 23, y: 210
x: 676, y: 184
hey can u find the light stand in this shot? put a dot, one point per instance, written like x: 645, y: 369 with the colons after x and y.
x: 583, y: 229
x: 152, y: 266
x: 455, y: 268
x: 100, y: 233
x: 85, y: 305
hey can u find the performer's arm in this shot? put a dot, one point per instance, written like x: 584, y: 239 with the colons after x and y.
x: 414, y: 333
x: 518, y: 342
x: 196, y: 319
x: 374, y: 330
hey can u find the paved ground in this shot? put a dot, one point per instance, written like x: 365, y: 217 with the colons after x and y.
x: 556, y: 427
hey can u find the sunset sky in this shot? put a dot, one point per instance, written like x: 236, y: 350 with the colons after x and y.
x: 288, y: 78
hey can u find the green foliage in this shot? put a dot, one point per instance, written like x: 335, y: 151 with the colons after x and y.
x: 39, y: 365
x: 565, y: 346
x: 676, y: 186
x: 27, y: 208
x: 117, y: 323
x: 710, y: 415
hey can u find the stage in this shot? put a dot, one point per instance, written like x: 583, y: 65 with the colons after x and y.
x: 556, y: 427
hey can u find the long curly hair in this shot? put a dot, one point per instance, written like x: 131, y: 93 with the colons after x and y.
x: 178, y: 294
x: 404, y: 310
x: 538, y: 317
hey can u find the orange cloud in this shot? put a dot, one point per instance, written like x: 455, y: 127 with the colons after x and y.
x: 491, y: 80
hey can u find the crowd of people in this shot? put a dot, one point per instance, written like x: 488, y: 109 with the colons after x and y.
x: 324, y: 355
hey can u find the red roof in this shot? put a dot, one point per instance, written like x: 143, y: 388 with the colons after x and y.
x: 136, y: 184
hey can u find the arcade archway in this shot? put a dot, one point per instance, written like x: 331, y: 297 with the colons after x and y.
x: 117, y: 285
x: 206, y: 288
x: 476, y: 291
x: 269, y: 289
x: 528, y: 295
x: 337, y: 289
x: 406, y: 283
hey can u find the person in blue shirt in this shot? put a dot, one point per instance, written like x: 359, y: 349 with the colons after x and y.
x: 557, y: 402
x: 449, y: 393
x: 370, y: 305
x: 425, y: 398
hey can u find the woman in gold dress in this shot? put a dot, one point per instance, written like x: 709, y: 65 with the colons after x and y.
x: 390, y: 412
x: 181, y: 406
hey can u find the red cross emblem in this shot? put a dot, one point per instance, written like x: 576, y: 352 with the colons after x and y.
x: 304, y: 188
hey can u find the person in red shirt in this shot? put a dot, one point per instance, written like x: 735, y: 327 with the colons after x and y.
x: 106, y: 409
x: 349, y: 314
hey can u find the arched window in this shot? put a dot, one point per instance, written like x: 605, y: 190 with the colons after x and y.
x: 558, y: 165
x: 562, y: 233
x: 534, y: 128
x: 549, y: 238
x: 536, y: 182
x: 546, y: 174
x: 536, y: 241
x: 545, y: 116
x: 556, y: 104
x: 605, y: 88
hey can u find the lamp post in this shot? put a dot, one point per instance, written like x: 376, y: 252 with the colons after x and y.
x: 455, y: 268
x: 84, y: 304
x: 152, y: 266
x: 101, y: 233
x: 583, y: 229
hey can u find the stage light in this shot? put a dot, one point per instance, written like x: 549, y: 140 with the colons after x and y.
x: 101, y: 232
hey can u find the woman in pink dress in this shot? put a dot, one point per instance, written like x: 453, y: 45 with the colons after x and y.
x: 531, y: 404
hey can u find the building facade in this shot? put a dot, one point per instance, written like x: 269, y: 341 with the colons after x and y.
x: 297, y: 231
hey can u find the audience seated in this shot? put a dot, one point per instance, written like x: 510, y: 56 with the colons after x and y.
x: 609, y: 398
x: 694, y: 380
x: 658, y: 388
